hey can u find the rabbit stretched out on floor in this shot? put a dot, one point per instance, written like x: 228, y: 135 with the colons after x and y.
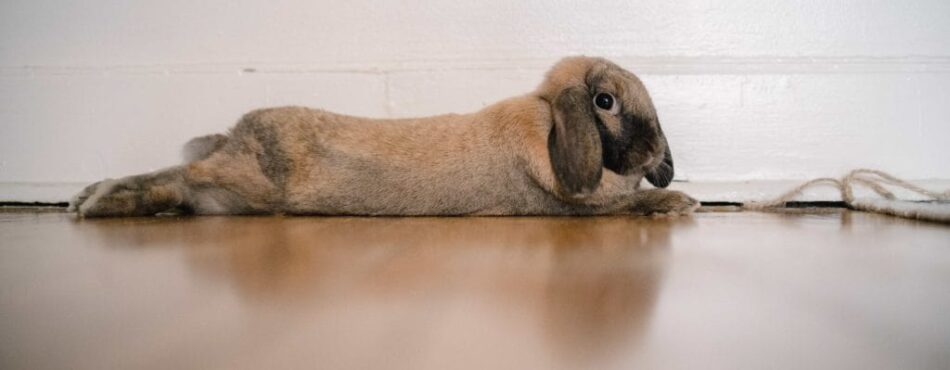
x: 578, y: 145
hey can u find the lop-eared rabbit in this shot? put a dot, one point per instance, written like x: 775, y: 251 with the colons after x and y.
x: 578, y: 145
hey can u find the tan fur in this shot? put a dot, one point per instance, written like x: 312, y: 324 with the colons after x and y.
x: 496, y: 161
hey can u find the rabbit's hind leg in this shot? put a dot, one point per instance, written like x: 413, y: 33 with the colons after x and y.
x: 139, y: 195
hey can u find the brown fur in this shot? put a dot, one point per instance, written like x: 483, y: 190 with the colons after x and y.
x: 550, y: 152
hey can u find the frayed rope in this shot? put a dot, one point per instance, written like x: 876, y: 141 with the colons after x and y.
x: 936, y: 210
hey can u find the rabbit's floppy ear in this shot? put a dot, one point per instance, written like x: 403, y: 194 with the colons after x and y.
x: 574, y: 143
x: 661, y: 175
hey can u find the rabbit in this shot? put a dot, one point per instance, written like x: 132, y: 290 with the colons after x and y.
x: 578, y: 145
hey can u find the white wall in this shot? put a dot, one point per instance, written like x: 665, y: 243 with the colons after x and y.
x: 746, y: 90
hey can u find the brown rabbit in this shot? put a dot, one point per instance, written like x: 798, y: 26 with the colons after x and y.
x: 578, y: 145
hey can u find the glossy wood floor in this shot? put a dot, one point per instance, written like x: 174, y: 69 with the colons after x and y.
x: 819, y: 290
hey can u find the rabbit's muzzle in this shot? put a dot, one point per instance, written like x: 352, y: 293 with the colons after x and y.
x: 638, y: 148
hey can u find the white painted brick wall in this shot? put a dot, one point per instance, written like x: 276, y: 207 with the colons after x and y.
x: 746, y: 90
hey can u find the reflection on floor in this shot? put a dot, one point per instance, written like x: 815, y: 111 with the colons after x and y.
x: 815, y: 289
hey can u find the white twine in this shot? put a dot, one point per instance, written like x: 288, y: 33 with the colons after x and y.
x: 876, y: 181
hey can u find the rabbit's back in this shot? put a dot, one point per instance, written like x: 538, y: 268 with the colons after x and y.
x: 314, y: 161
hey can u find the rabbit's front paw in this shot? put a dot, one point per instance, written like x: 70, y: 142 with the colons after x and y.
x: 89, y: 198
x: 660, y: 202
x: 80, y: 198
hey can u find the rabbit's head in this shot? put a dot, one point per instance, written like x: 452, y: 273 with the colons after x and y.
x: 603, y: 118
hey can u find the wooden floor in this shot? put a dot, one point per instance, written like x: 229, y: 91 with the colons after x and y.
x: 819, y: 290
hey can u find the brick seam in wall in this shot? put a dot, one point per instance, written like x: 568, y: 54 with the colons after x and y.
x: 650, y: 65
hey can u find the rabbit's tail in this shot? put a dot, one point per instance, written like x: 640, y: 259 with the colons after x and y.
x: 202, y: 147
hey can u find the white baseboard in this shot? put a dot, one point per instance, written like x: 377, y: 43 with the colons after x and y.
x: 761, y: 190
x: 42, y: 192
x: 708, y: 191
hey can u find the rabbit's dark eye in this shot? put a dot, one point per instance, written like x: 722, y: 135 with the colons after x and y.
x: 604, y: 101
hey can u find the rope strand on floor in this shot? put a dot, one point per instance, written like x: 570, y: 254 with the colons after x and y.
x: 876, y: 181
